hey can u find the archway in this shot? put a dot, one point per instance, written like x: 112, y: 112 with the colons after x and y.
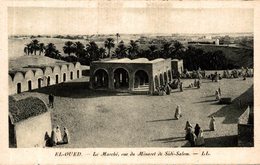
x: 57, y: 79
x: 169, y: 75
x: 100, y: 79
x: 141, y: 79
x: 48, y: 81
x: 165, y: 77
x: 77, y: 73
x: 39, y: 82
x: 19, y: 86
x: 64, y: 77
x: 71, y: 75
x: 121, y: 78
x: 29, y: 85
x: 161, y: 79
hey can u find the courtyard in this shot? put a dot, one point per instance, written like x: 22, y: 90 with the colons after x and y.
x: 110, y: 119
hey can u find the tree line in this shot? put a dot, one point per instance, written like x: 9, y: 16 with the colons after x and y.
x: 193, y: 58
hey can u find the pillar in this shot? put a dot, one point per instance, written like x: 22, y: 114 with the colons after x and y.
x: 151, y: 83
x: 111, y: 79
x: 131, y: 80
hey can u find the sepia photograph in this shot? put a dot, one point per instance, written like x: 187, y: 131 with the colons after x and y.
x: 119, y: 77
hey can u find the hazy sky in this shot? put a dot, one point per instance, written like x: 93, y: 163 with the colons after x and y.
x: 127, y: 20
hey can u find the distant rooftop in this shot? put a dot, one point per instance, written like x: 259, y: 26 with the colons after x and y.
x: 25, y: 63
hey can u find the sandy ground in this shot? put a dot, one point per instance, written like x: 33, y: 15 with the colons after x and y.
x: 106, y: 119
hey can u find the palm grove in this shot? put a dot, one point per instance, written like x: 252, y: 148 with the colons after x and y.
x: 193, y: 58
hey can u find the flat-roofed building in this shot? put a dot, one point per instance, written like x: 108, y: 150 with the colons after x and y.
x: 130, y: 75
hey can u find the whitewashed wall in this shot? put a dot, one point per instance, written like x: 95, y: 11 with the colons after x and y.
x: 30, y: 132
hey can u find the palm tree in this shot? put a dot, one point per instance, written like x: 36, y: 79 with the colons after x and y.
x: 178, y: 49
x: 109, y: 43
x: 57, y: 54
x: 41, y: 48
x: 133, y: 49
x: 166, y: 50
x: 79, y: 49
x: 117, y: 35
x: 69, y: 48
x: 27, y: 49
x: 92, y: 51
x: 121, y: 50
x: 51, y: 51
x: 35, y: 46
x: 153, y: 51
x: 102, y: 52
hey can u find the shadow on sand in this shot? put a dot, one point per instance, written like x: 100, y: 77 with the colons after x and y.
x: 222, y: 141
x: 77, y: 90
x: 232, y: 111
x: 169, y: 140
x: 208, y: 101
x: 161, y: 120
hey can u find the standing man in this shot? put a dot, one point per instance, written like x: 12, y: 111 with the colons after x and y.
x: 181, y: 87
x: 51, y: 100
x: 198, y: 84
x: 219, y: 91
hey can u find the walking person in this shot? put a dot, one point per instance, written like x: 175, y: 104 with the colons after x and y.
x: 212, y: 124
x: 51, y: 100
x: 177, y: 112
x: 219, y: 91
x: 53, y: 139
x: 188, y: 135
x: 168, y: 90
x: 188, y: 125
x: 200, y: 139
x: 188, y: 129
x: 217, y: 95
x: 198, y: 84
x: 47, y: 139
x: 181, y: 87
x: 195, y: 83
x: 58, y: 135
x: 65, y: 138
x: 192, y: 139
x: 197, y: 130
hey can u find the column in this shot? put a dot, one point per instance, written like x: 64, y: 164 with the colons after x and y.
x: 111, y: 79
x: 131, y: 80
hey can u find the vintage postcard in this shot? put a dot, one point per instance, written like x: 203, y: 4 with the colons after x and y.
x: 133, y: 82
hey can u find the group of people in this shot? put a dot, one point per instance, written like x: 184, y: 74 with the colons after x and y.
x: 56, y: 138
x: 196, y: 137
x: 162, y: 90
x: 166, y: 89
x: 196, y: 84
x: 215, y: 77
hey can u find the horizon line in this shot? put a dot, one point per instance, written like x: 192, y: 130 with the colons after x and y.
x: 212, y: 33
